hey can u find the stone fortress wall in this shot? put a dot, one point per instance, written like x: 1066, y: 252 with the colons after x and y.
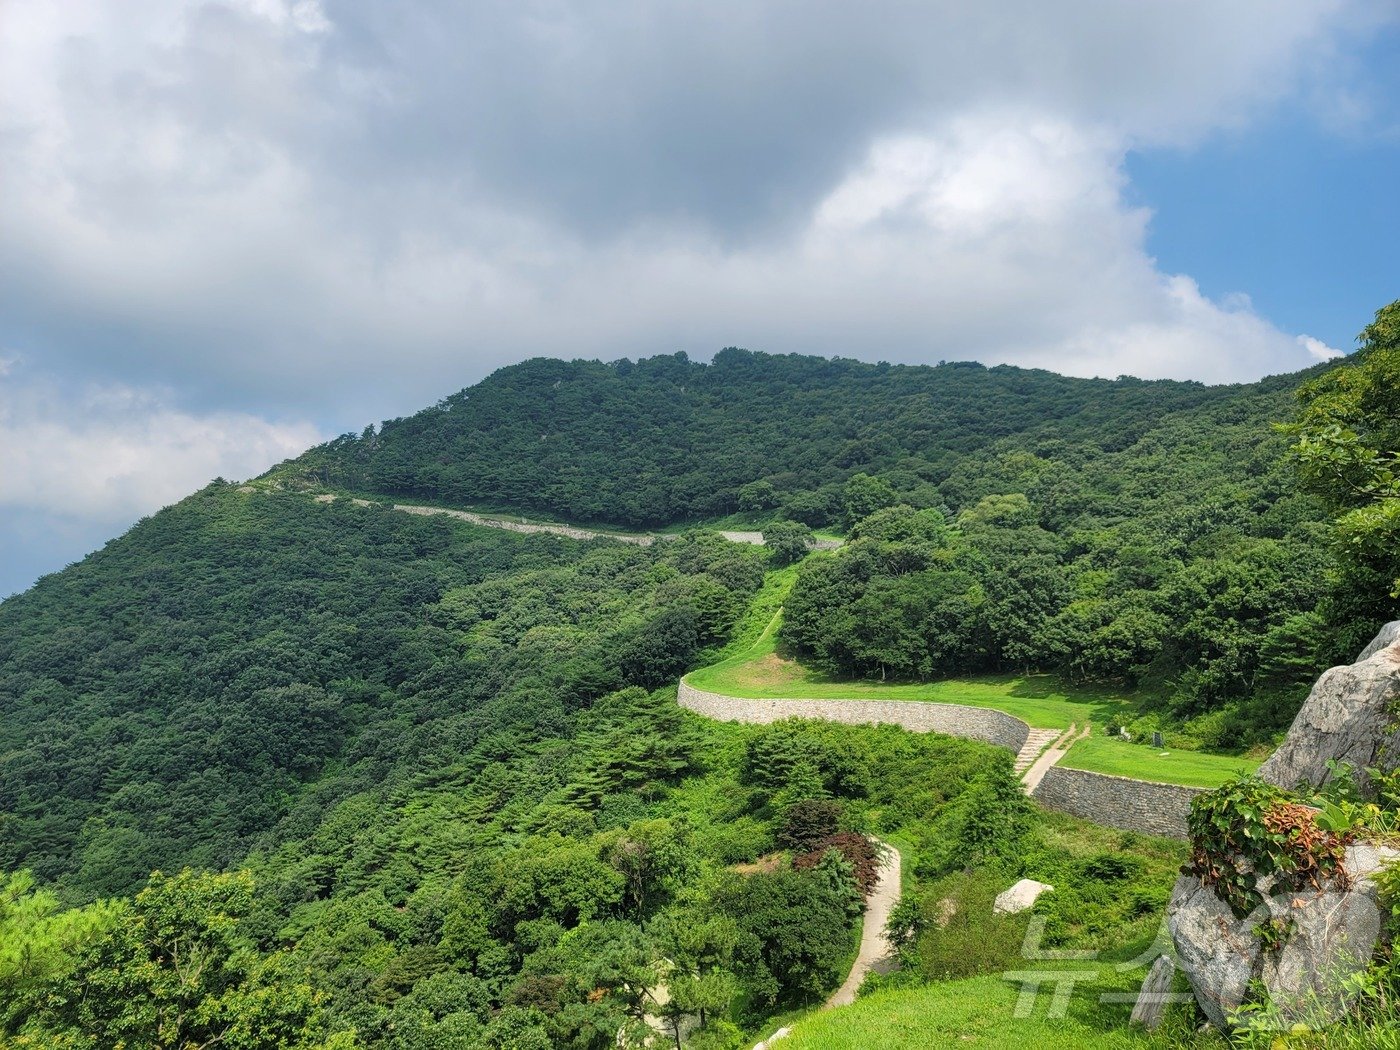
x: 1117, y: 802
x: 974, y: 723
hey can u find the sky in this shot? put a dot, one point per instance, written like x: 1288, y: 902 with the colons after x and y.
x: 229, y: 230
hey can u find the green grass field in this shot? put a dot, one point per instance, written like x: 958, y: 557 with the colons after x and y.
x: 982, y: 1012
x: 756, y: 669
x: 1192, y: 768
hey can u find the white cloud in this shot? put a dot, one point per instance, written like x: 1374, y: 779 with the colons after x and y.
x: 282, y: 208
x: 274, y: 203
x: 116, y: 452
x: 1318, y: 349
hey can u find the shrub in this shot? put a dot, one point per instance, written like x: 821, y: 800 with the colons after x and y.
x: 1248, y: 829
x: 794, y: 933
x: 810, y: 821
x: 860, y: 852
x: 958, y: 933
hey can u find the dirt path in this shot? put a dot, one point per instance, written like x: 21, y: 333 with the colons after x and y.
x: 526, y: 526
x: 573, y: 532
x: 876, y: 951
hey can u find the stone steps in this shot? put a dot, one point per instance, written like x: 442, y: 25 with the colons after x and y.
x: 1031, y: 778
x: 1037, y: 740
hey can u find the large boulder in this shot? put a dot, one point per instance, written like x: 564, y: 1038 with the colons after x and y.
x: 1020, y: 897
x: 1323, y: 938
x: 1347, y: 717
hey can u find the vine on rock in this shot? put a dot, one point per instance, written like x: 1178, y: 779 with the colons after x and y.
x: 1248, y: 830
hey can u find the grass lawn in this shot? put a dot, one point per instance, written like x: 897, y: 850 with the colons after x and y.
x: 1192, y: 768
x: 759, y: 670
x: 981, y: 1012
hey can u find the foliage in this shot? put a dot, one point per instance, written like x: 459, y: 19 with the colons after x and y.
x: 809, y: 822
x: 910, y: 598
x: 174, y: 968
x: 432, y: 745
x: 1117, y: 531
x: 857, y: 850
x: 786, y: 541
x: 1247, y: 830
x: 666, y: 439
x: 986, y: 825
x: 1347, y: 448
x: 953, y: 931
x: 794, y: 930
x: 427, y: 785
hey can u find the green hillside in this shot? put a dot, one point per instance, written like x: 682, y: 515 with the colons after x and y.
x: 1119, y: 533
x: 409, y: 782
x: 667, y: 439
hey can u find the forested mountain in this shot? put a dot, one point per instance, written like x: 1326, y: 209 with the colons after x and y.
x: 1150, y: 534
x: 666, y: 439
x: 464, y: 818
x: 429, y: 781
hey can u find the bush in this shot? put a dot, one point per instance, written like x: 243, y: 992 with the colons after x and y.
x: 808, y: 822
x: 986, y: 824
x: 958, y: 934
x: 1249, y: 828
x: 795, y: 933
x: 860, y: 852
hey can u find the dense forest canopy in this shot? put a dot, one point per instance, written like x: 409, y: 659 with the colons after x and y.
x: 1149, y: 534
x: 666, y: 439
x: 465, y: 818
x: 418, y: 784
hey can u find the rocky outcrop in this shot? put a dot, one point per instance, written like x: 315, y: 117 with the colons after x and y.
x: 1321, y: 938
x: 1299, y: 946
x: 1347, y: 717
x: 1390, y: 634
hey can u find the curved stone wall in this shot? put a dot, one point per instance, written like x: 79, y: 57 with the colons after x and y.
x: 1117, y: 802
x: 974, y: 723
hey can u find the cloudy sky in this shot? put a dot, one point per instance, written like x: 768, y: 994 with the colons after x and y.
x: 230, y: 229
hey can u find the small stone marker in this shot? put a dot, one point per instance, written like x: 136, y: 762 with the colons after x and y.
x: 1019, y: 897
x: 1155, y: 993
x: 1156, y: 739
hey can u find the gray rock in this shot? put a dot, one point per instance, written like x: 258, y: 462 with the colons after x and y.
x: 1019, y: 897
x: 1330, y: 935
x: 1153, y: 996
x: 1390, y: 634
x: 1346, y: 717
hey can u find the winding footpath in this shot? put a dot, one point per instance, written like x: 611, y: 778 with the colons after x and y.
x: 876, y: 952
x: 573, y: 532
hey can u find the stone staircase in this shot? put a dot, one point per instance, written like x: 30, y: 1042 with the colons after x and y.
x: 1036, y: 742
x: 1035, y: 772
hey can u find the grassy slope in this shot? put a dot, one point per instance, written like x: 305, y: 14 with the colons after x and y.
x: 982, y: 1012
x: 755, y: 668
